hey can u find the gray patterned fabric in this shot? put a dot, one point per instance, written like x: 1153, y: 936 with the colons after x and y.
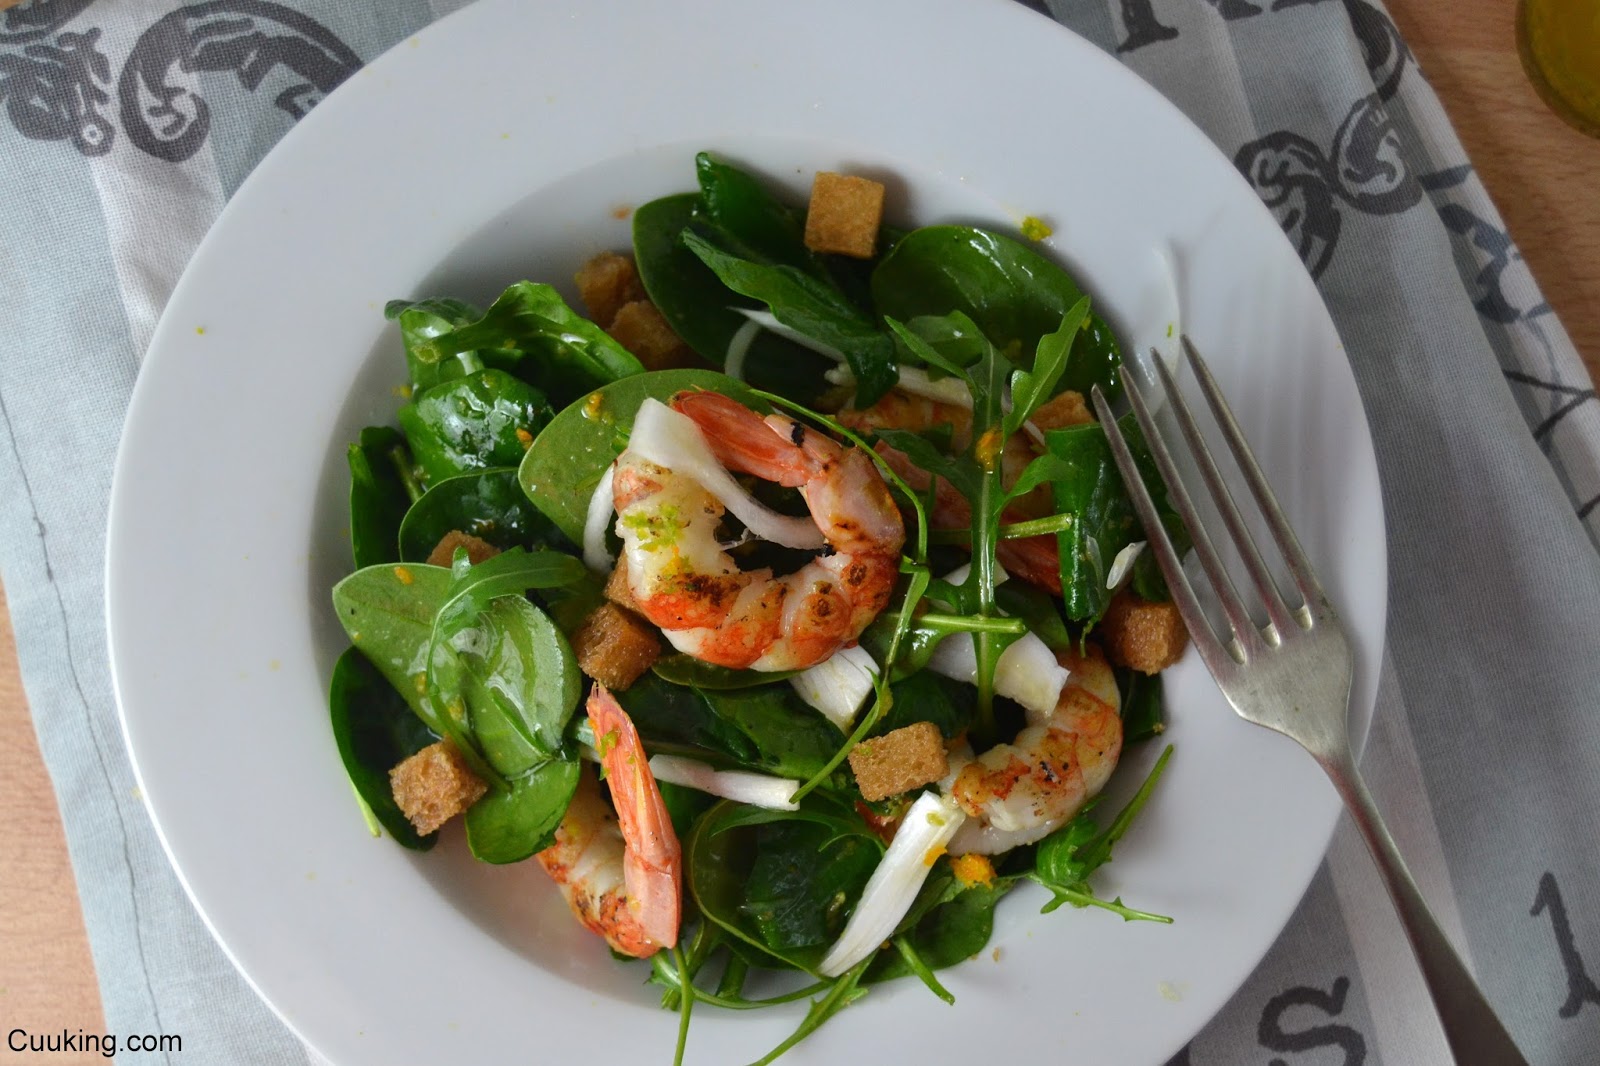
x: 1486, y: 747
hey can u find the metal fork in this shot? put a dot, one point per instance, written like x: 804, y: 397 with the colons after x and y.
x: 1293, y: 675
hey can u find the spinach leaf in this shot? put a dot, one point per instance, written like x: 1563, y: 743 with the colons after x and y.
x: 927, y: 697
x: 1088, y: 485
x: 768, y: 729
x: 565, y: 462
x: 508, y: 826
x: 681, y: 669
x: 422, y: 320
x: 737, y: 203
x: 954, y: 929
x: 786, y: 903
x: 1142, y: 716
x: 664, y: 712
x: 521, y: 683
x: 802, y: 301
x: 388, y: 611
x: 804, y: 881
x: 698, y: 306
x: 1014, y: 294
x: 482, y: 420
x: 489, y: 504
x: 378, y: 494
x: 375, y: 730
x: 552, y: 345
x: 790, y: 738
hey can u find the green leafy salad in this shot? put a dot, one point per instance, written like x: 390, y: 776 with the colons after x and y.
x: 787, y: 608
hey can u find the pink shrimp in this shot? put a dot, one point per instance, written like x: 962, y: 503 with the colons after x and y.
x: 621, y: 873
x: 684, y: 582
x: 1018, y: 793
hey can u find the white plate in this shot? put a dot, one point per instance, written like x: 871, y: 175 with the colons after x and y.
x: 501, y: 143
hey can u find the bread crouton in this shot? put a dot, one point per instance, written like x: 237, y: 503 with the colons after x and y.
x: 1063, y: 410
x: 477, y: 549
x: 844, y: 215
x: 1148, y: 637
x: 606, y: 283
x: 615, y: 646
x: 640, y: 328
x: 618, y: 591
x: 434, y: 785
x: 899, y: 761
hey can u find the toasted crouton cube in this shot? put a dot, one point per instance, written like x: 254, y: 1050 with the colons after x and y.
x: 434, y: 785
x: 618, y: 590
x: 844, y: 215
x: 1148, y: 637
x: 606, y: 283
x: 1063, y: 410
x: 899, y: 761
x: 615, y: 646
x: 477, y: 549
x: 640, y: 328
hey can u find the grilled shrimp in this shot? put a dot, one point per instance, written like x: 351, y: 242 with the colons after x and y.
x: 1034, y: 559
x: 621, y: 873
x: 683, y: 580
x: 1018, y: 793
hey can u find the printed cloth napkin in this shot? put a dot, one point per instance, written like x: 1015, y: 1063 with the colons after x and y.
x: 126, y: 126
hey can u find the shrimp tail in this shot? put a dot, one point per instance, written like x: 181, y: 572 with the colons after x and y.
x: 652, y: 860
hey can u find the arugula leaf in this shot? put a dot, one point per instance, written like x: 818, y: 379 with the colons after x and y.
x: 1088, y: 485
x: 699, y: 307
x: 1065, y: 859
x: 805, y: 303
x: 737, y: 203
x: 1015, y: 296
x: 1030, y: 388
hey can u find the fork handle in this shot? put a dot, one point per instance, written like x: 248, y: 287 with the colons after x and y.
x: 1471, y: 1027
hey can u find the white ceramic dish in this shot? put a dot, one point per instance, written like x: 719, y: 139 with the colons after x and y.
x: 501, y: 143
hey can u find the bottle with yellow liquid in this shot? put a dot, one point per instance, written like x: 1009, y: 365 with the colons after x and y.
x: 1560, y: 45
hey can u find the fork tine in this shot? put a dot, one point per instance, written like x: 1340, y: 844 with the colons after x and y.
x: 1266, y: 588
x: 1247, y: 637
x: 1218, y: 659
x: 1305, y: 578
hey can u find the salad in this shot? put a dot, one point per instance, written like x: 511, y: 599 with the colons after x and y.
x: 787, y: 609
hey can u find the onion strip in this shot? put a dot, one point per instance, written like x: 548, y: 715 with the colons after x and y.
x: 671, y: 439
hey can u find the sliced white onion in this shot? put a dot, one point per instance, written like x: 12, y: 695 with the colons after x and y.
x: 738, y: 348
x: 894, y: 885
x: 838, y: 685
x: 959, y: 574
x: 601, y: 504
x: 766, y: 320
x: 1123, y: 563
x: 758, y: 790
x: 671, y: 439
x: 915, y: 380
x: 1027, y: 671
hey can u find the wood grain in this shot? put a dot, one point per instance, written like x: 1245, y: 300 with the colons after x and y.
x: 46, y: 977
x: 1543, y: 176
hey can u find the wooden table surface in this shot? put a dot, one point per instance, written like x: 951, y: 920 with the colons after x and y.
x: 1544, y: 176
